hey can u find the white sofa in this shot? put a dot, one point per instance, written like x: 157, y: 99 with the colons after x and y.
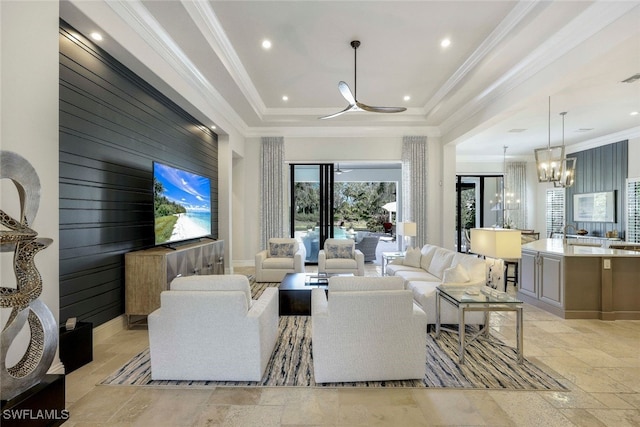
x: 425, y: 269
x: 368, y: 329
x: 208, y: 328
x: 282, y: 256
x: 339, y: 256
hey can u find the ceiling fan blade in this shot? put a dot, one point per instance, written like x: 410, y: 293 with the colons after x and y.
x: 366, y: 107
x: 346, y: 92
x: 339, y: 171
x: 354, y: 105
x: 349, y: 108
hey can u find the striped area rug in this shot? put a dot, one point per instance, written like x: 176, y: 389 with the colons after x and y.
x: 488, y: 365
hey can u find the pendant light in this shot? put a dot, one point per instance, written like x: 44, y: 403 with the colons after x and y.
x: 549, y: 161
x: 568, y: 165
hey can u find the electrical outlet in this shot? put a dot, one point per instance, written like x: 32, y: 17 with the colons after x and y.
x: 607, y: 264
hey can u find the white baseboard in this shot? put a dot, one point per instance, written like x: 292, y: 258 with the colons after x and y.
x: 109, y: 329
x: 244, y: 263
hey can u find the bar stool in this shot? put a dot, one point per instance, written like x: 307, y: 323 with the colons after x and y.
x: 513, y: 278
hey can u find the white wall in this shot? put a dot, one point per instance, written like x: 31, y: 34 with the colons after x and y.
x: 479, y: 168
x: 246, y: 238
x: 29, y: 127
x: 535, y: 215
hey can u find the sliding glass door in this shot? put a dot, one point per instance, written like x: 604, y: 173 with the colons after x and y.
x: 312, y: 206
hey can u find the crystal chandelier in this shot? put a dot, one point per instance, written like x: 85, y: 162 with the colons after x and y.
x: 550, y: 160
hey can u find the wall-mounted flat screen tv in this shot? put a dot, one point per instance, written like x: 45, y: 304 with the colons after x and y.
x: 181, y: 204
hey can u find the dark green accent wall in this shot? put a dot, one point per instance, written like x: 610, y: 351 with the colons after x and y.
x: 113, y: 125
x: 600, y: 169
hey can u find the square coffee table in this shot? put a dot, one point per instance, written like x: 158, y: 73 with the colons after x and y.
x: 471, y: 299
x: 295, y: 292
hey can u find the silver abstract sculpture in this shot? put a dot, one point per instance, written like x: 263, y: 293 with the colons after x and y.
x: 18, y: 237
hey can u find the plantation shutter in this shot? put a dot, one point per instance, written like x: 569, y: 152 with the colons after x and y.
x: 633, y: 210
x: 554, y: 214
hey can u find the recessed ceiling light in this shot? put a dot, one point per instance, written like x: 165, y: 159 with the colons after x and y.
x: 213, y: 127
x: 285, y: 98
x: 96, y: 36
x: 445, y: 42
x: 407, y: 98
x: 266, y: 44
x: 633, y: 113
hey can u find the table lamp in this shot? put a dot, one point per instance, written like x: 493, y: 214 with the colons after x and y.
x: 407, y: 229
x: 498, y: 244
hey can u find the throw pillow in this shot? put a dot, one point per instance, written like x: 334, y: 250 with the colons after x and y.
x: 280, y: 250
x: 338, y: 251
x: 457, y: 274
x: 441, y: 260
x: 412, y: 257
x: 427, y: 255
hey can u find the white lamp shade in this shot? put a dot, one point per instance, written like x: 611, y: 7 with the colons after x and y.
x: 496, y: 242
x: 408, y: 229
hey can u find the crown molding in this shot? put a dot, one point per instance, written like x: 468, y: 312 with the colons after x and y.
x: 343, y: 131
x: 569, y: 149
x: 211, y: 28
x: 604, y: 140
x: 595, y: 18
x: 138, y: 18
x: 515, y: 16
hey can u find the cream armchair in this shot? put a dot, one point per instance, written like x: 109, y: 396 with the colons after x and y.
x: 208, y: 328
x: 368, y: 329
x: 340, y: 256
x: 282, y: 256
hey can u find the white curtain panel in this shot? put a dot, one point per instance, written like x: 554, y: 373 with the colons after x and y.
x: 414, y: 185
x: 516, y: 182
x: 272, y: 212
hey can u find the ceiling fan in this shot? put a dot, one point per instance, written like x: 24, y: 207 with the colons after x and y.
x: 339, y: 171
x: 354, y: 105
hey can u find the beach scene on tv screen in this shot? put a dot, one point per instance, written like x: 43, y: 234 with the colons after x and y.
x: 182, y: 204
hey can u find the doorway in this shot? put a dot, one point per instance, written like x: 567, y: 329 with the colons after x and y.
x: 327, y: 201
x: 478, y: 204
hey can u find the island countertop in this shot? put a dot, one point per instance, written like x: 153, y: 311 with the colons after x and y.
x: 555, y: 246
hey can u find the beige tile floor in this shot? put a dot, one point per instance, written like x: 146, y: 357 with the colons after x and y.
x: 598, y: 360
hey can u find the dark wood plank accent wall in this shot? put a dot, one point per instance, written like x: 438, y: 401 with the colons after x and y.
x: 113, y: 125
x: 601, y: 169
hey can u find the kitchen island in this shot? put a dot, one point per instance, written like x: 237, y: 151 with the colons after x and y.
x: 580, y: 282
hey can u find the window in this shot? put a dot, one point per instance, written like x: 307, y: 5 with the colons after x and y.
x: 633, y: 210
x: 554, y: 217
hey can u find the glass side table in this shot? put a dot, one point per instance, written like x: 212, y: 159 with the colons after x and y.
x: 473, y: 299
x: 389, y: 256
